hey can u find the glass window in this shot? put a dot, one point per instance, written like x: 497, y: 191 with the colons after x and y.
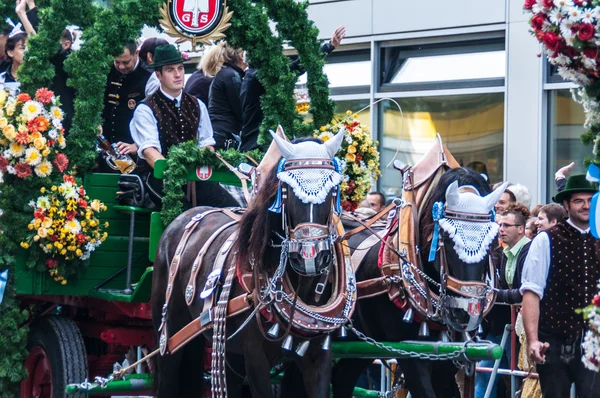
x: 565, y: 126
x: 354, y: 105
x: 346, y: 74
x: 471, y: 127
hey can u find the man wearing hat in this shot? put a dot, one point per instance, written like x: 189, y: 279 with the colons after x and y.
x: 560, y: 276
x: 170, y: 117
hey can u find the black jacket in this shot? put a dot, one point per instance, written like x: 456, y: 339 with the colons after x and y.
x: 250, y: 94
x: 198, y: 85
x: 500, y: 314
x: 224, y: 105
x: 65, y: 93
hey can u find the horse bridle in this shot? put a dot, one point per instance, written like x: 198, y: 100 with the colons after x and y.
x: 307, y: 239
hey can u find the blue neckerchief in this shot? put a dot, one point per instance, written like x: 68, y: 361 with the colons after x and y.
x: 438, y: 213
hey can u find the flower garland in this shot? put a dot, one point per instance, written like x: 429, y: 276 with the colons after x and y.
x: 31, y: 132
x: 65, y: 229
x: 591, y: 341
x: 359, y: 156
x: 568, y: 32
x: 184, y: 157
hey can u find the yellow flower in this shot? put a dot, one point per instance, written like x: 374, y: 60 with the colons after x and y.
x: 25, y: 245
x: 95, y: 205
x: 46, y: 152
x: 9, y: 132
x: 3, y: 122
x: 36, y: 238
x: 63, y: 252
x: 79, y: 253
x: 49, y: 246
x: 50, y: 231
x: 354, y: 143
x: 30, y: 226
x: 43, y: 190
x: 42, y: 232
x: 47, y: 222
x: 348, y: 112
x: 53, y: 189
x: 350, y: 157
x: 39, y: 143
x: 63, y: 282
x: 355, y: 116
x: 323, y: 128
x: 106, y: 224
x: 351, y: 149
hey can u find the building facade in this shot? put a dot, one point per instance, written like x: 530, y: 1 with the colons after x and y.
x: 467, y: 70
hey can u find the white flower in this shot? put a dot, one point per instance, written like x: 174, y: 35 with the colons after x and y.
x: 588, y: 15
x: 32, y: 204
x: 11, y: 170
x: 32, y: 109
x: 589, y: 63
x: 43, y: 202
x: 574, y: 14
x: 563, y: 4
x: 33, y: 157
x: 69, y: 191
x: 16, y: 149
x: 580, y: 77
x: 44, y: 169
x: 556, y: 16
x: 7, y: 154
x: 537, y: 8
x: 57, y: 124
x: 72, y: 226
x: 56, y: 113
x: 566, y: 73
x: 53, y: 134
x: 562, y: 60
x: 348, y: 139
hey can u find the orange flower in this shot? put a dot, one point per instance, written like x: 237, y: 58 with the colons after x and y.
x: 23, y: 97
x: 38, y: 124
x: 22, y: 138
x: 44, y: 95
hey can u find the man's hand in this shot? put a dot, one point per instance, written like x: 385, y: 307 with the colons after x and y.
x: 209, y: 147
x: 564, y: 171
x: 537, y: 349
x: 338, y: 36
x: 21, y: 7
x: 125, y: 148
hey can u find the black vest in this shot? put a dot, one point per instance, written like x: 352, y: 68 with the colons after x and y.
x: 175, y: 124
x: 572, y: 278
x: 122, y: 95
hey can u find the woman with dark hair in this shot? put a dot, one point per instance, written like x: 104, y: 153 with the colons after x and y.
x: 147, y: 56
x: 14, y: 53
x: 224, y: 104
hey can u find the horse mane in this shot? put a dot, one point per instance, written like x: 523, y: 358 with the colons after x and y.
x: 255, y: 225
x: 464, y: 176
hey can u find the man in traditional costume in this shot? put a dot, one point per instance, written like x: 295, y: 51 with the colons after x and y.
x: 560, y: 276
x: 170, y: 117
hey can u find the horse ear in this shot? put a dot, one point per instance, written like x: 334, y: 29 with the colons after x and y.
x: 286, y: 148
x: 452, y: 195
x: 333, y: 145
x: 494, y: 197
x: 281, y: 133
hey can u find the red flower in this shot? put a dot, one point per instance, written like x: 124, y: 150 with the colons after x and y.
x: 81, y: 191
x: 529, y: 4
x: 537, y: 21
x: 3, y: 164
x: 82, y: 203
x: 348, y: 205
x: 359, y: 157
x: 80, y: 239
x: 552, y: 41
x: 569, y: 51
x: 68, y: 178
x: 578, y: 2
x: 22, y: 137
x: 586, y: 32
x: 71, y: 215
x: 596, y: 301
x: 548, y: 3
x: 40, y: 124
x: 39, y: 214
x: 53, y: 238
x: 591, y: 53
x: 23, y: 97
x: 23, y: 170
x: 51, y: 263
x: 44, y: 95
x: 61, y: 162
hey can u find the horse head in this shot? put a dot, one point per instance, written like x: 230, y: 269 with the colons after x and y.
x: 309, y: 176
x: 464, y: 230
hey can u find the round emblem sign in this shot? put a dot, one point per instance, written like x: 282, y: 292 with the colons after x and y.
x: 196, y: 17
x: 203, y: 173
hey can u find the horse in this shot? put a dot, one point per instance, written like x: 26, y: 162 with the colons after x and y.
x: 381, y: 318
x: 279, y: 256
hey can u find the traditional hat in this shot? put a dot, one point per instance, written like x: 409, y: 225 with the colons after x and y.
x: 575, y: 184
x: 166, y: 54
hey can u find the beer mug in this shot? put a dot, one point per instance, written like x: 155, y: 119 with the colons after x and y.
x: 122, y: 163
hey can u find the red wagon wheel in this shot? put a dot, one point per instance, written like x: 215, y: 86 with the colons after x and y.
x: 56, y: 358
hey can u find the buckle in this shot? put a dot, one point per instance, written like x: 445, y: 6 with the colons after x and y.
x: 206, y: 317
x: 211, y: 284
x: 320, y: 288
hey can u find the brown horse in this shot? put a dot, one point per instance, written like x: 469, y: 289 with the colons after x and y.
x: 380, y: 318
x: 285, y: 240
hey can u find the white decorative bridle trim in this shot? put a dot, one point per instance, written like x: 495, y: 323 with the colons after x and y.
x: 471, y: 239
x: 311, y: 185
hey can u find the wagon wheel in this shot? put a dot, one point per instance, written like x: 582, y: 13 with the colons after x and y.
x: 56, y: 358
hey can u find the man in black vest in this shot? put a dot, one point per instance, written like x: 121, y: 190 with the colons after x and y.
x: 559, y: 276
x: 170, y: 117
x: 125, y: 88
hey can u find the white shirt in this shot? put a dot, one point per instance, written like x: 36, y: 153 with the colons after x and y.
x: 537, y: 263
x: 144, y: 129
x: 152, y: 85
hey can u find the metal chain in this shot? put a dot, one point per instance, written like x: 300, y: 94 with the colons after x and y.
x: 408, y: 354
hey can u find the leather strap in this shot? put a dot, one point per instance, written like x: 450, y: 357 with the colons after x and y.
x: 363, y: 248
x: 173, y: 270
x: 190, y: 290
x: 366, y: 225
x: 235, y: 306
x: 243, y: 178
x: 372, y: 287
x: 218, y: 268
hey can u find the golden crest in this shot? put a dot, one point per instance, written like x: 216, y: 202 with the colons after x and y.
x: 199, y: 21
